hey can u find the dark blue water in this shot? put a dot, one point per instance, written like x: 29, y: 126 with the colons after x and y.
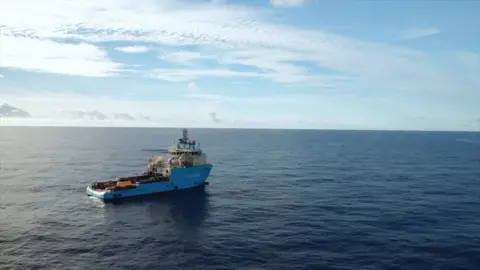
x: 276, y: 200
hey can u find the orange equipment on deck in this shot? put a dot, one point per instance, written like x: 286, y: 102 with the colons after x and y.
x: 124, y: 183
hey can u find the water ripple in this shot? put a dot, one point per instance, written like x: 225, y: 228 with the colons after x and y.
x: 301, y: 200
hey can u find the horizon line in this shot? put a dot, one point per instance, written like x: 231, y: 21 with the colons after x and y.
x: 241, y: 128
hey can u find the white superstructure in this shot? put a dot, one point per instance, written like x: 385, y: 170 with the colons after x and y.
x: 184, y: 153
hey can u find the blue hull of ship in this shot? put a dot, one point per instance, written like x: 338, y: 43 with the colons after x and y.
x: 181, y: 178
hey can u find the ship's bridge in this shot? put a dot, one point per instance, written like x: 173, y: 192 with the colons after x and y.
x: 185, y: 153
x: 185, y: 145
x: 186, y: 150
x: 174, y: 151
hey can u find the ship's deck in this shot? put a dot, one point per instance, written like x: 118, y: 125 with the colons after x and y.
x: 150, y: 179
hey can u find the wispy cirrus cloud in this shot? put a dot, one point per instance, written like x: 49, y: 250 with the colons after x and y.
x: 229, y: 35
x: 191, y: 74
x: 184, y: 57
x: 133, y: 49
x: 287, y: 3
x: 44, y: 55
x: 418, y: 33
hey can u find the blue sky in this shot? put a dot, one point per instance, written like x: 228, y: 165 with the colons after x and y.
x: 225, y: 63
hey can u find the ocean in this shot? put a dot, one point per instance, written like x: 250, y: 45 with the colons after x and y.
x: 277, y: 199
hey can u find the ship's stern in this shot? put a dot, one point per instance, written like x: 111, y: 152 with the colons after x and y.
x: 95, y: 193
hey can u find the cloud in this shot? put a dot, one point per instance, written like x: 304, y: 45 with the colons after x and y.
x: 8, y: 110
x: 99, y: 109
x: 100, y: 106
x: 270, y: 100
x: 273, y: 64
x: 288, y: 110
x: 236, y: 40
x: 218, y: 1
x: 193, y: 86
x: 190, y: 74
x: 213, y: 116
x: 1, y: 76
x: 419, y: 33
x: 287, y: 3
x: 80, y: 114
x: 123, y: 116
x: 45, y: 55
x: 133, y: 49
x: 93, y: 115
x: 185, y: 57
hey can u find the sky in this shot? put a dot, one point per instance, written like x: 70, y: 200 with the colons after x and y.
x: 408, y: 65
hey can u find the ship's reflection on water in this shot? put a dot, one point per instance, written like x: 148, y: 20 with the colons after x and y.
x: 175, y: 214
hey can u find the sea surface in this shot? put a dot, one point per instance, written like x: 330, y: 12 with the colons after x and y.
x: 277, y: 199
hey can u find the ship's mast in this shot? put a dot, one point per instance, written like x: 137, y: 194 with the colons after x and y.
x: 183, y: 141
x: 185, y: 134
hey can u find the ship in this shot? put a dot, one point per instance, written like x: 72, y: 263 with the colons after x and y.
x: 184, y: 166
